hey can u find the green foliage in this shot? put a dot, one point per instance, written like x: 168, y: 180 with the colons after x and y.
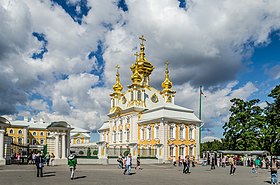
x: 81, y: 152
x: 253, y: 128
x: 211, y: 146
x: 243, y: 129
x: 126, y: 153
x: 95, y: 152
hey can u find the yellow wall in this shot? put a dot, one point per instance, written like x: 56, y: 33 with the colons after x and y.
x: 176, y: 141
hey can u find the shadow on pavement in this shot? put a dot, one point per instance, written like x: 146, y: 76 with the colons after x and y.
x: 48, y: 172
x: 267, y: 182
x: 49, y: 175
x: 80, y: 177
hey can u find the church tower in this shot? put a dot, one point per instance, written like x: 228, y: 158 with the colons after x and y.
x: 117, y: 94
x: 141, y: 71
x: 167, y: 93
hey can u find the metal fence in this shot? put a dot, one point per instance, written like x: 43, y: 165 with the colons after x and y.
x: 115, y: 152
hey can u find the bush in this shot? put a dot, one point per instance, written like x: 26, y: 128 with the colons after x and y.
x: 88, y: 152
x: 126, y: 153
x: 95, y: 152
x: 81, y: 152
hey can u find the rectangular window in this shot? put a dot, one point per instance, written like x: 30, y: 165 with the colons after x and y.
x: 182, y: 132
x: 181, y: 151
x: 142, y: 133
x: 191, y: 133
x: 172, y: 132
x: 171, y: 151
x: 121, y: 135
x: 41, y: 141
x: 127, y: 135
x: 114, y: 136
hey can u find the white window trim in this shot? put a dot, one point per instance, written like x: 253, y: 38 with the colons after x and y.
x: 156, y: 132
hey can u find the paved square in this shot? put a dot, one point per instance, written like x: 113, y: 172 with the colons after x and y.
x: 111, y: 175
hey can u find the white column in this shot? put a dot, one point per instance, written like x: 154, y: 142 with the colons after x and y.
x: 63, y: 146
x: 197, y: 143
x: 25, y: 135
x: 2, y: 144
x: 56, y: 145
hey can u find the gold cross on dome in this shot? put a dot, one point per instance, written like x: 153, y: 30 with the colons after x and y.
x: 166, y: 63
x: 117, y: 67
x: 136, y: 54
x: 142, y: 39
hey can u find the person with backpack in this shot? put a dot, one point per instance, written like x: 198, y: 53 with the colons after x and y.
x: 72, y: 162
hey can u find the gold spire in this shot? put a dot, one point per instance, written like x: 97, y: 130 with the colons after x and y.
x: 118, y: 86
x: 136, y: 77
x: 166, y: 85
x: 143, y: 66
x: 142, y: 48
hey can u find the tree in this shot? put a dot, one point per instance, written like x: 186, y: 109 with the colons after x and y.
x: 243, y: 129
x: 270, y: 132
x: 211, y: 146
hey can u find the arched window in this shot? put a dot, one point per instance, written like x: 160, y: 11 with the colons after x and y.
x: 34, y: 133
x: 78, y: 141
x: 11, y: 131
x: 41, y: 141
x: 19, y: 131
x: 156, y: 132
x: 42, y: 134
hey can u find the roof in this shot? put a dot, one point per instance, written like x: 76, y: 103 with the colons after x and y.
x: 30, y: 124
x: 254, y: 152
x: 59, y: 124
x: 169, y: 111
x: 80, y: 135
x: 105, y: 126
x: 79, y: 130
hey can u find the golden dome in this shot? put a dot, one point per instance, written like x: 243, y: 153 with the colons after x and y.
x: 118, y: 86
x: 136, y: 77
x: 143, y: 66
x: 166, y: 84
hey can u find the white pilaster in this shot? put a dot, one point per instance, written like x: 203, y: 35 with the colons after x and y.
x: 25, y: 135
x: 2, y: 144
x: 63, y: 146
x: 56, y: 146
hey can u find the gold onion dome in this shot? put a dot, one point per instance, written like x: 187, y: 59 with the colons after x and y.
x: 144, y: 67
x: 118, y: 86
x: 136, y: 77
x: 166, y: 84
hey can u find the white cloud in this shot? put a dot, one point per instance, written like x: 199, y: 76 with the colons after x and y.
x: 205, y: 45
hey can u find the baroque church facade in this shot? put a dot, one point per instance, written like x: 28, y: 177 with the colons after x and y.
x: 144, y: 118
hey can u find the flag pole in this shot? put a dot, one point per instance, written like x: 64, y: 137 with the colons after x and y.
x: 200, y: 91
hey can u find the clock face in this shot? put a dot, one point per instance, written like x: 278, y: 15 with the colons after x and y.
x: 154, y: 98
x: 124, y: 100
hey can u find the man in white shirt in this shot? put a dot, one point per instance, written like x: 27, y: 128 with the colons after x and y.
x: 128, y: 163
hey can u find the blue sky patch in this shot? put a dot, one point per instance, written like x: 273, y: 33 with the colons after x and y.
x: 98, y: 68
x: 41, y: 38
x: 182, y: 4
x: 122, y: 5
x: 76, y: 11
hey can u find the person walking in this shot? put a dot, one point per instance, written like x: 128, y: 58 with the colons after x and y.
x: 174, y: 161
x: 138, y: 163
x: 48, y: 157
x: 213, y: 163
x: 39, y: 161
x: 18, y: 158
x: 72, y: 162
x: 52, y: 159
x: 128, y: 163
x: 120, y: 161
x: 274, y: 166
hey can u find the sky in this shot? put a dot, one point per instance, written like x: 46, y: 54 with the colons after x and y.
x: 58, y: 57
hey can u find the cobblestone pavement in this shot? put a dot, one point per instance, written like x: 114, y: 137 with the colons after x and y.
x: 111, y: 175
